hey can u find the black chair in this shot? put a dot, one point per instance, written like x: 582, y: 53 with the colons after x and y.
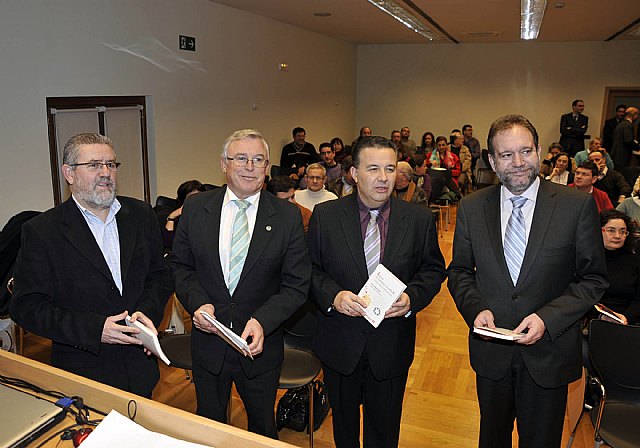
x: 177, y: 347
x: 614, y: 350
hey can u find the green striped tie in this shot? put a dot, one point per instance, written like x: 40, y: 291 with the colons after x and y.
x: 239, y: 244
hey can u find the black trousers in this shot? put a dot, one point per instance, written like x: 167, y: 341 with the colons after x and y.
x: 539, y: 412
x: 382, y: 407
x: 258, y: 394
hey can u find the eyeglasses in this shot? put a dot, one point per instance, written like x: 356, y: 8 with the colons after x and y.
x: 315, y: 178
x: 258, y: 161
x: 97, y: 166
x: 611, y: 231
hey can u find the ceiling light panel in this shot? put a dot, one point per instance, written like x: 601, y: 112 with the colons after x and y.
x: 405, y: 17
x: 531, y: 14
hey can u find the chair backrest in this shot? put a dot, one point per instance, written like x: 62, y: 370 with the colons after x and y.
x: 300, y: 327
x: 437, y: 185
x: 614, y: 350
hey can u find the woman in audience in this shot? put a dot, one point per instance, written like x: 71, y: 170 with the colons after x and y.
x: 418, y: 164
x: 443, y: 158
x: 456, y: 145
x: 631, y: 206
x: 428, y: 143
x: 185, y: 190
x: 338, y: 147
x: 561, y: 173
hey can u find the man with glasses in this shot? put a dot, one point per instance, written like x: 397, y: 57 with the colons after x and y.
x: 240, y: 256
x: 586, y: 175
x: 315, y: 193
x: 88, y: 264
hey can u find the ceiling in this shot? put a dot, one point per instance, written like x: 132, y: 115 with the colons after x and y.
x: 460, y: 21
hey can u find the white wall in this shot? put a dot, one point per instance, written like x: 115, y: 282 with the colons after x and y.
x: 61, y: 48
x: 441, y: 87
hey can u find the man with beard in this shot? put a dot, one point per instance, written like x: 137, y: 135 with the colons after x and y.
x: 527, y: 257
x: 86, y: 265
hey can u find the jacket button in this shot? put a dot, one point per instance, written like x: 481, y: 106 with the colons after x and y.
x: 113, y: 288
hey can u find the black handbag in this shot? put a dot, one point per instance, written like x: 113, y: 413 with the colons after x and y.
x: 292, y: 410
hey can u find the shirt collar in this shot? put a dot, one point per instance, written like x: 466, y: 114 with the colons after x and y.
x: 229, y: 196
x: 385, y: 209
x: 113, y: 210
x: 530, y: 193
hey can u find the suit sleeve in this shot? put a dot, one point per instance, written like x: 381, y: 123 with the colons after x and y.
x: 33, y: 306
x: 590, y: 280
x: 462, y: 272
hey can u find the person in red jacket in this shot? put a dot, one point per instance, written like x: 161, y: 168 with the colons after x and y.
x: 586, y: 175
x: 443, y: 158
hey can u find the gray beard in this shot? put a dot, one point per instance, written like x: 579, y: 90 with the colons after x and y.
x: 520, y: 187
x: 97, y: 200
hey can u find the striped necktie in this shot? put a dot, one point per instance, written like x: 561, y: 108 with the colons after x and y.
x: 372, y: 242
x: 239, y: 244
x: 515, y: 239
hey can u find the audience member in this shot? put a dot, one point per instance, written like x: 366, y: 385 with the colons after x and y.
x: 339, y: 149
x: 443, y: 158
x: 85, y: 264
x: 284, y: 187
x: 573, y: 127
x: 396, y: 139
x: 595, y: 144
x: 624, y: 143
x: 586, y: 175
x: 364, y: 365
x: 333, y: 169
x: 185, y: 190
x: 610, y: 181
x: 472, y: 143
x: 428, y: 143
x: 297, y: 154
x: 561, y: 173
x: 346, y: 184
x: 365, y: 131
x: 408, y: 144
x: 315, y: 193
x: 240, y: 256
x: 546, y: 166
x: 406, y: 189
x: 419, y: 165
x: 466, y: 160
x: 610, y: 125
x: 631, y: 206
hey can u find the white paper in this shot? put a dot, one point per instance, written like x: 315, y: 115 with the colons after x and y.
x: 602, y: 309
x: 381, y: 290
x: 117, y: 430
x: 228, y: 335
x: 498, y: 333
x: 148, y: 338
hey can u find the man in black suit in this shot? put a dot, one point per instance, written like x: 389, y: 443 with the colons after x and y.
x: 240, y: 255
x: 625, y: 144
x: 610, y: 125
x: 573, y: 127
x: 363, y: 364
x: 527, y: 256
x: 85, y: 264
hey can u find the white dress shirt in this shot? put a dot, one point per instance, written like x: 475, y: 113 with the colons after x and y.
x: 506, y: 206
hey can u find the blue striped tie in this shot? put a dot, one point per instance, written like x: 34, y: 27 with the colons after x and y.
x: 515, y: 238
x: 372, y: 242
x: 239, y: 244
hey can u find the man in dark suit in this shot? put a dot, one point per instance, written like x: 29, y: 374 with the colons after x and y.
x: 527, y: 256
x: 610, y: 126
x: 363, y: 364
x: 573, y: 127
x: 85, y: 264
x: 240, y: 255
x: 625, y: 144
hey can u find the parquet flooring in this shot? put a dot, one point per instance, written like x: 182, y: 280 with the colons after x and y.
x: 440, y: 407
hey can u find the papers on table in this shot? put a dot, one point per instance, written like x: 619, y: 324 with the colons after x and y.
x: 117, y: 430
x: 602, y: 309
x: 498, y: 333
x: 228, y: 335
x: 148, y: 338
x: 381, y: 290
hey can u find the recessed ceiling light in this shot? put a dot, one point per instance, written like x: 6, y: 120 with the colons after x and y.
x: 322, y: 14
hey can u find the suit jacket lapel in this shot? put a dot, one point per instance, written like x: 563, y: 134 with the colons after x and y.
x: 494, y: 228
x: 211, y: 232
x: 396, y: 232
x: 77, y: 232
x: 127, y: 236
x: 350, y: 222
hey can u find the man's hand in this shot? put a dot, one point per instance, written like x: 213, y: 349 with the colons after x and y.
x: 535, y: 329
x: 139, y: 315
x: 400, y: 307
x: 349, y: 304
x: 203, y: 324
x: 484, y: 319
x: 254, y: 330
x: 114, y: 333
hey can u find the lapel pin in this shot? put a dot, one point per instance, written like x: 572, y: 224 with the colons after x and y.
x: 268, y: 228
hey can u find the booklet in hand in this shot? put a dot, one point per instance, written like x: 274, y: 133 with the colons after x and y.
x: 229, y: 336
x: 498, y: 333
x: 148, y: 338
x: 381, y: 290
x: 602, y: 309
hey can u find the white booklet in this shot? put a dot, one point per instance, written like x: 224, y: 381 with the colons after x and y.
x: 603, y: 309
x: 228, y: 335
x: 381, y: 290
x: 148, y: 338
x: 498, y: 333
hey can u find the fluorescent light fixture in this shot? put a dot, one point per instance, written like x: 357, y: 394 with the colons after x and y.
x: 405, y: 17
x: 531, y: 14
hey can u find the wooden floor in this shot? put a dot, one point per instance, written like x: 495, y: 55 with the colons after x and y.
x: 440, y: 407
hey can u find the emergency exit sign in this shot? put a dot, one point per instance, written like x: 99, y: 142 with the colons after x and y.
x: 188, y: 43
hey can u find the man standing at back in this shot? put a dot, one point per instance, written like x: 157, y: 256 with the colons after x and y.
x: 87, y: 264
x: 347, y: 239
x: 240, y: 255
x: 527, y: 256
x: 573, y: 127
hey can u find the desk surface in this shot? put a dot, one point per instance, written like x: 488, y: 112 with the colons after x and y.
x: 150, y: 414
